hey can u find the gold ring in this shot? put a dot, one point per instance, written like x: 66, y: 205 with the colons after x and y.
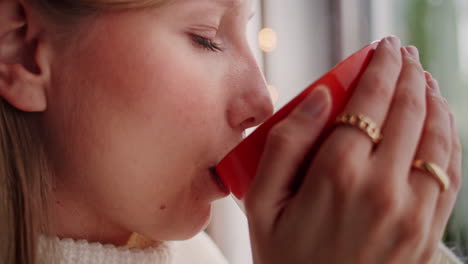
x: 365, y: 124
x: 437, y: 172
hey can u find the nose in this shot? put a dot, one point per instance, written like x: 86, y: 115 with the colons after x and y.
x: 251, y: 102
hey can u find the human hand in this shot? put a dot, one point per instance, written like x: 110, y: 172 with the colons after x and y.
x: 359, y: 202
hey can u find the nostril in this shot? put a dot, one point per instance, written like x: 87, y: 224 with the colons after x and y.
x: 249, y: 122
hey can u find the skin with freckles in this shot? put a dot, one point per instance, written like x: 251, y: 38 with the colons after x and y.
x: 136, y: 107
x: 136, y: 121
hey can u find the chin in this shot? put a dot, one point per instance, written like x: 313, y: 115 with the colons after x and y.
x: 183, y: 224
x: 199, y: 221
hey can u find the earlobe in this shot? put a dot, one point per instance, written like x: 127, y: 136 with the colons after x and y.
x: 23, y: 67
x: 21, y: 89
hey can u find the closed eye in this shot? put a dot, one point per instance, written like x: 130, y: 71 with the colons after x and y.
x: 206, y: 43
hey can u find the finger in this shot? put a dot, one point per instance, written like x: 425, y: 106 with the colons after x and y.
x: 435, y: 147
x: 287, y: 145
x: 373, y: 95
x: 405, y: 120
x: 447, y: 199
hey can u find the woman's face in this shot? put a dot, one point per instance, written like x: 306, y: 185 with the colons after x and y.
x: 139, y: 110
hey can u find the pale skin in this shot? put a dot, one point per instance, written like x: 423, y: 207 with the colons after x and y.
x: 136, y: 111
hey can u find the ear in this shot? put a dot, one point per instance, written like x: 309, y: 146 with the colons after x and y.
x: 24, y: 71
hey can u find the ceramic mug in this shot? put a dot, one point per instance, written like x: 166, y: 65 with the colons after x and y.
x: 237, y: 170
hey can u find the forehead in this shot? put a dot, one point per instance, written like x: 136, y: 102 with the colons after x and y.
x: 211, y: 5
x: 230, y: 3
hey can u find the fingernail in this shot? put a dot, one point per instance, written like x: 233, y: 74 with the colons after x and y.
x: 429, y: 81
x: 434, y: 84
x: 316, y: 102
x: 413, y: 52
x: 394, y: 42
x: 428, y: 76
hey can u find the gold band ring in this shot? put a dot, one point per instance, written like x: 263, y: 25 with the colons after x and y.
x: 434, y: 170
x: 365, y: 124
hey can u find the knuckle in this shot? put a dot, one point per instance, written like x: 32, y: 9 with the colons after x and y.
x: 455, y: 179
x: 410, y: 102
x: 377, y: 85
x: 443, y: 103
x: 439, y: 137
x: 438, y: 101
x: 393, y: 57
x: 290, y: 131
x: 344, y: 149
x: 411, y: 229
x: 344, y: 178
x: 340, y: 152
x: 413, y: 67
x: 281, y: 137
x: 384, y: 202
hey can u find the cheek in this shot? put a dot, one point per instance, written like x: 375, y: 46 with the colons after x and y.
x: 153, y: 73
x: 162, y: 84
x: 139, y: 125
x: 127, y: 133
x: 139, y: 110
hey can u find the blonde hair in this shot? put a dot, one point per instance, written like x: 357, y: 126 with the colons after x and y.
x: 65, y: 11
x: 24, y: 173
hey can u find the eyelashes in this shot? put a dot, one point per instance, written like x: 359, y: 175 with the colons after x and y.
x: 206, y: 43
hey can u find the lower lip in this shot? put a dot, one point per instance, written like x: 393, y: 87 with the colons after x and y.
x: 218, y: 182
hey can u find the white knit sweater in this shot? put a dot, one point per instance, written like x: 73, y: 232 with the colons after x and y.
x: 198, y: 250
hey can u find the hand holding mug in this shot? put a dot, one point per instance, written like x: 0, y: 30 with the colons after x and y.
x: 358, y: 201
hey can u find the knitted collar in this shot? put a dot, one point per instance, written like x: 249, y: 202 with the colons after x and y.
x: 65, y: 251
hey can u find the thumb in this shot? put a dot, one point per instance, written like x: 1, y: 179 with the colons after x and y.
x: 287, y: 145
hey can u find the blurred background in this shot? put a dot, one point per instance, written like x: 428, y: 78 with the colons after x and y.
x: 297, y: 41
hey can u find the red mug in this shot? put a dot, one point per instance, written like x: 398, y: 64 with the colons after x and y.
x: 237, y: 170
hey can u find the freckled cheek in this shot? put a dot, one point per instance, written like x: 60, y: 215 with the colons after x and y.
x: 162, y: 73
x: 163, y: 90
x: 171, y: 89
